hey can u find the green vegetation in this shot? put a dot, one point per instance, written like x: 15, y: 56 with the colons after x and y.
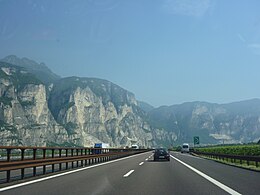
x: 246, y: 150
x: 19, y: 76
x: 21, y: 80
x: 27, y: 103
x: 70, y: 127
x: 67, y: 106
x: 2, y: 74
x: 235, y: 162
x: 6, y: 100
x: 35, y: 125
x: 6, y: 127
x: 176, y: 148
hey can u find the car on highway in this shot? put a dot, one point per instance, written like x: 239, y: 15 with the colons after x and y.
x: 135, y: 146
x: 161, y: 154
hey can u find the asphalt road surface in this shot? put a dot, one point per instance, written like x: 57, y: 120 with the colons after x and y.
x: 139, y: 174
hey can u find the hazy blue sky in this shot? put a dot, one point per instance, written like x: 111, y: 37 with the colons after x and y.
x: 164, y: 51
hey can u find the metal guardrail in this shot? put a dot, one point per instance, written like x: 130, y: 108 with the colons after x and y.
x: 21, y: 158
x: 232, y: 158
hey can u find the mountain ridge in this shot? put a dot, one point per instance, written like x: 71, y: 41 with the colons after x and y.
x: 71, y: 111
x: 222, y: 122
x: 79, y: 111
x: 41, y: 70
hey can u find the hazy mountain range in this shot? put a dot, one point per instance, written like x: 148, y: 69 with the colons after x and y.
x: 38, y: 107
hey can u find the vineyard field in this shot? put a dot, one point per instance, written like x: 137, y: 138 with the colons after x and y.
x: 246, y: 150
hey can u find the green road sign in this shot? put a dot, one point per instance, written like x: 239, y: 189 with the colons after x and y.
x: 196, y: 140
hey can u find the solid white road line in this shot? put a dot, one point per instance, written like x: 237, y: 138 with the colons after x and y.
x: 62, y: 174
x: 141, y: 163
x: 129, y: 173
x: 217, y: 183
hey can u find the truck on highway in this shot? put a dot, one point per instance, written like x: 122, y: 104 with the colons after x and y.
x: 101, y: 146
x: 185, y: 148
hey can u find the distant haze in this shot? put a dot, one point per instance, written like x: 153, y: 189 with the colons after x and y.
x: 165, y: 52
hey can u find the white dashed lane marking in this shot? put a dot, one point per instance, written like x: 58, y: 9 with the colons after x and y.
x: 129, y: 173
x: 65, y: 173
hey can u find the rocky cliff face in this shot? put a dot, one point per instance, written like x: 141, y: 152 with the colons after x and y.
x: 35, y: 111
x: 76, y: 111
x: 214, y: 123
x: 24, y: 115
x: 94, y: 110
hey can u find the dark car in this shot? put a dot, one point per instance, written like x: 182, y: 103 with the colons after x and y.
x: 161, y: 154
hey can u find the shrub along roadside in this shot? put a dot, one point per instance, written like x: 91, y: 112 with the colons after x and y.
x: 240, y: 150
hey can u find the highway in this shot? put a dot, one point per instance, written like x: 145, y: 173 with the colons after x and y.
x: 139, y: 174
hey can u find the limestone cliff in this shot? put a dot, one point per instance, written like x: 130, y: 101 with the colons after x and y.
x: 95, y: 110
x: 24, y: 115
x: 71, y: 111
x: 37, y: 108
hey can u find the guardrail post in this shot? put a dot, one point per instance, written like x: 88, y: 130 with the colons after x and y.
x: 8, y: 176
x: 52, y: 155
x: 34, y: 171
x: 34, y: 158
x: 81, y: 153
x: 256, y: 163
x: 60, y: 151
x: 72, y: 163
x: 77, y: 150
x: 86, y: 155
x: 8, y: 153
x: 22, y: 173
x: 44, y: 156
x: 67, y: 164
x: 34, y: 154
x: 8, y: 173
x: 44, y: 153
x: 22, y: 154
x: 89, y: 153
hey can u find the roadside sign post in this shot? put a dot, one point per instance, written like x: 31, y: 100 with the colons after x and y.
x: 196, y: 140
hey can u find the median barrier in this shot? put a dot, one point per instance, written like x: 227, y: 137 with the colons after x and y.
x: 232, y: 158
x: 22, y: 158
